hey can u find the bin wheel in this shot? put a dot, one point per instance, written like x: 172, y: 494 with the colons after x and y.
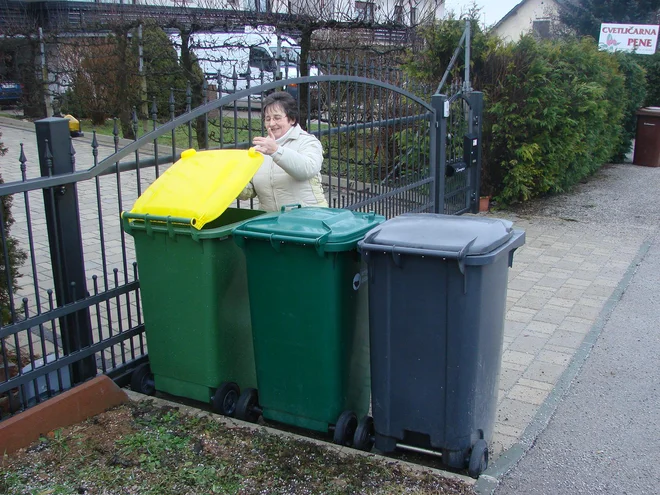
x: 478, y: 459
x: 345, y: 429
x: 247, y: 406
x: 142, y: 380
x: 364, y: 434
x: 225, y: 398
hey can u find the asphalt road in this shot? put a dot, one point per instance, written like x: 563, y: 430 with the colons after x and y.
x: 605, y: 434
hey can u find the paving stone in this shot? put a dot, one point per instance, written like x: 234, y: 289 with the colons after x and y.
x: 509, y: 377
x: 549, y: 356
x: 513, y: 366
x: 544, y: 372
x: 561, y: 302
x: 552, y: 314
x: 513, y: 328
x: 527, y: 394
x: 577, y: 327
x: 541, y: 327
x: 508, y: 430
x: 585, y: 312
x: 578, y: 282
x: 515, y: 413
x: 566, y: 338
x: 516, y: 357
x: 500, y: 443
x: 535, y: 384
x: 522, y: 284
x: 528, y: 344
x: 519, y: 314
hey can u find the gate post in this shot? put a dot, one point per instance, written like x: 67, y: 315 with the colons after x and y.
x: 65, y: 240
x: 476, y: 100
x: 438, y: 154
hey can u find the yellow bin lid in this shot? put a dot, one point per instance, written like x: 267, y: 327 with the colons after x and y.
x: 200, y: 186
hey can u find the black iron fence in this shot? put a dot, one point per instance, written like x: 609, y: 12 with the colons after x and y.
x: 75, y: 307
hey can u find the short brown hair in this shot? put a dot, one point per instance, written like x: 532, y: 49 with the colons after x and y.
x: 286, y: 101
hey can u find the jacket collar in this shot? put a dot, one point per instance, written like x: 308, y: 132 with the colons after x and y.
x: 293, y: 133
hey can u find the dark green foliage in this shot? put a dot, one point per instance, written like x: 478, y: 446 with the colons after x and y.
x: 441, y: 40
x: 651, y: 63
x: 162, y: 70
x: 553, y: 116
x: 16, y: 255
x: 555, y: 111
x: 636, y: 87
x: 584, y: 17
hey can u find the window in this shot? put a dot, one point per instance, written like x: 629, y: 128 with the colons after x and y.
x: 413, y: 16
x: 364, y: 11
x: 541, y: 28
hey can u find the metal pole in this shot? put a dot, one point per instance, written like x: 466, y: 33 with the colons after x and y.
x: 466, y: 83
x: 65, y: 240
x: 438, y: 155
x: 476, y: 99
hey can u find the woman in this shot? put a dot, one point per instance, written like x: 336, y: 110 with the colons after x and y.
x: 291, y: 171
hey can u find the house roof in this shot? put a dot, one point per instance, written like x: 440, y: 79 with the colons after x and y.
x: 514, y: 11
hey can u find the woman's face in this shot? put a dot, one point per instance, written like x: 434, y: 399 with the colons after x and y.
x: 276, y: 121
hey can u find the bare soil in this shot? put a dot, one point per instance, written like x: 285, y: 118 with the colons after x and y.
x: 140, y: 448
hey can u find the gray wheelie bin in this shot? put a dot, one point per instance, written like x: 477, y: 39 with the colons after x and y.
x: 437, y: 299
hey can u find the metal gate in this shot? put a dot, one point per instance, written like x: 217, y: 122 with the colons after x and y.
x: 74, y: 305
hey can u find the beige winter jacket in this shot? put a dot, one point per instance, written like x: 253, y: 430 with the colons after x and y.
x: 292, y: 175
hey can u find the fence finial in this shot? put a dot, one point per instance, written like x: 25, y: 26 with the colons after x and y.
x: 23, y: 160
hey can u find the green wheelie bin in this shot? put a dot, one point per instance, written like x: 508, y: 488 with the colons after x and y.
x: 195, y: 303
x: 309, y: 307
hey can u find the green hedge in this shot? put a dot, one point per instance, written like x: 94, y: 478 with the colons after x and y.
x: 555, y: 111
x: 554, y: 115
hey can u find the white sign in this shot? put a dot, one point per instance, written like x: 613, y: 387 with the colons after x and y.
x: 638, y: 38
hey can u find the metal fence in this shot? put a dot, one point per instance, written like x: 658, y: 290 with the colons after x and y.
x: 74, y: 305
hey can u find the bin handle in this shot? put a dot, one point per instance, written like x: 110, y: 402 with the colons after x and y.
x: 460, y: 255
x: 161, y: 223
x: 397, y: 251
x: 276, y: 239
x: 292, y: 206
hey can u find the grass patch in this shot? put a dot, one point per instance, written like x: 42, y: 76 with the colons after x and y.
x: 142, y: 449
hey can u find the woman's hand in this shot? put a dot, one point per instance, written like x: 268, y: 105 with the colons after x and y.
x: 266, y: 145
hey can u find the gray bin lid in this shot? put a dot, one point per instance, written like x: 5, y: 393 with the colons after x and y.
x: 453, y: 236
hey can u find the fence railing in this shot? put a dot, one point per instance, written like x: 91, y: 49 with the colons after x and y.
x: 75, y: 307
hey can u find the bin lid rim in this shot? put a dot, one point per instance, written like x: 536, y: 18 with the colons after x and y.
x: 469, y: 236
x: 651, y: 111
x: 327, y: 226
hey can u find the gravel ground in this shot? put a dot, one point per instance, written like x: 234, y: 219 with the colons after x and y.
x: 604, y: 435
x: 618, y: 196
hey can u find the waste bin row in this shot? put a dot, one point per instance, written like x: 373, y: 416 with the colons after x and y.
x: 313, y: 311
x: 308, y: 316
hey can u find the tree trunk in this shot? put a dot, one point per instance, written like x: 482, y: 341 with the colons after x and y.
x: 196, y: 79
x: 303, y: 89
x: 123, y: 92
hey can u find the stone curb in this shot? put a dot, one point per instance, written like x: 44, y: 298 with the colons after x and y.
x: 344, y: 451
x: 71, y: 407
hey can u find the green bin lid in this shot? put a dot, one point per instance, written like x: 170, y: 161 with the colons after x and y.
x: 453, y: 235
x: 328, y: 229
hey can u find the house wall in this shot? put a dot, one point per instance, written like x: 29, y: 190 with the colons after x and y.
x: 521, y: 20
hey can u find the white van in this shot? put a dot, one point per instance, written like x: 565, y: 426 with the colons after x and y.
x: 257, y: 54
